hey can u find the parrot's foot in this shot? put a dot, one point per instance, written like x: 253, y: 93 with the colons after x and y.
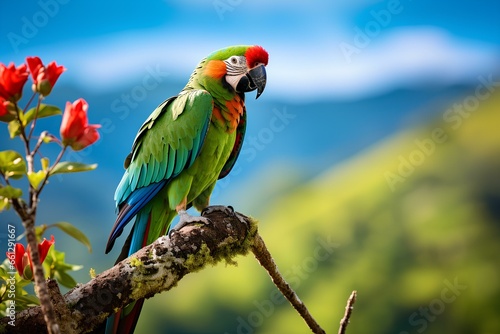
x: 228, y: 210
x: 186, y: 219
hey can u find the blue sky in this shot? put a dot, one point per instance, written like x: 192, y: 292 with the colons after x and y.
x: 317, y: 48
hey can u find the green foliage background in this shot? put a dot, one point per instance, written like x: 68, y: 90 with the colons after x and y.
x: 400, y: 248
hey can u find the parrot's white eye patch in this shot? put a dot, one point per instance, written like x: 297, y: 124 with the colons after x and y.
x: 238, y: 61
x: 236, y: 65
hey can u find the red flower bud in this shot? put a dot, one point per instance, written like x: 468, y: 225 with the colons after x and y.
x: 21, y: 258
x: 43, y: 247
x: 44, y: 77
x: 75, y: 130
x: 12, y: 81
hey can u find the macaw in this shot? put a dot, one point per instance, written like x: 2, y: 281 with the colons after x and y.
x: 187, y: 143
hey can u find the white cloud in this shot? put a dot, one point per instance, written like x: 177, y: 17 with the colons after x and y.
x: 399, y: 57
x: 297, y: 69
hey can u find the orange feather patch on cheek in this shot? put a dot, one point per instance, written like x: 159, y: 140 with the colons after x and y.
x: 215, y: 69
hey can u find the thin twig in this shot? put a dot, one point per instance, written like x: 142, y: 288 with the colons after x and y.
x: 32, y: 128
x: 39, y: 143
x: 44, y: 181
x: 265, y: 259
x: 348, y: 310
x: 22, y: 134
x: 29, y: 101
x: 5, y: 179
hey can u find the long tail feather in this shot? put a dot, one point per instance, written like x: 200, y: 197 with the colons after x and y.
x: 125, y: 320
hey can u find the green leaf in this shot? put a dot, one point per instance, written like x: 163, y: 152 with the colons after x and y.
x: 63, y: 278
x: 10, y: 192
x: 40, y: 230
x: 45, y: 163
x: 27, y: 300
x: 57, y: 267
x: 12, y: 164
x: 74, y: 232
x: 27, y: 273
x: 14, y: 129
x: 6, y: 193
x: 8, y: 117
x: 22, y: 299
x: 36, y: 178
x: 4, y: 204
x: 71, y: 167
x: 21, y: 282
x: 44, y: 111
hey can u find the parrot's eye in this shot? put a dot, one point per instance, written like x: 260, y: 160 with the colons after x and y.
x: 233, y: 60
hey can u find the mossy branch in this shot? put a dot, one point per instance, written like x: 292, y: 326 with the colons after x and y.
x: 156, y: 268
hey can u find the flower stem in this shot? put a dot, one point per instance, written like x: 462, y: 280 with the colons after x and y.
x: 59, y: 157
x: 32, y: 128
x: 29, y: 101
x: 22, y: 131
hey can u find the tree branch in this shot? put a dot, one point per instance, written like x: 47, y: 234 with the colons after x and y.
x: 348, y: 311
x: 265, y: 259
x: 155, y: 268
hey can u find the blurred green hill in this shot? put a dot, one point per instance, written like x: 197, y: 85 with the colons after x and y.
x: 412, y: 224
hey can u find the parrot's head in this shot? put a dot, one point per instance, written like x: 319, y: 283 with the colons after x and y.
x: 239, y: 68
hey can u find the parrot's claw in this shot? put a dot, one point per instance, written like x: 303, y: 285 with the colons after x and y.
x: 187, y: 219
x: 228, y: 210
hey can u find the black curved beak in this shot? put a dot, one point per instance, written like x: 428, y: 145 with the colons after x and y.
x: 254, y: 79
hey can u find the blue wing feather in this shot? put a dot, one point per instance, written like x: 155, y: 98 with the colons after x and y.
x: 135, y: 202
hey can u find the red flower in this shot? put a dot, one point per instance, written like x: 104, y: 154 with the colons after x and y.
x: 43, y: 248
x: 21, y: 258
x: 75, y: 130
x: 12, y: 81
x: 44, y: 77
x: 3, y: 106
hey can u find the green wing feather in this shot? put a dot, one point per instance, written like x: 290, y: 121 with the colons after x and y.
x: 168, y: 142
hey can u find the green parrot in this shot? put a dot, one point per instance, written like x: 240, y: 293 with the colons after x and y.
x: 187, y: 143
